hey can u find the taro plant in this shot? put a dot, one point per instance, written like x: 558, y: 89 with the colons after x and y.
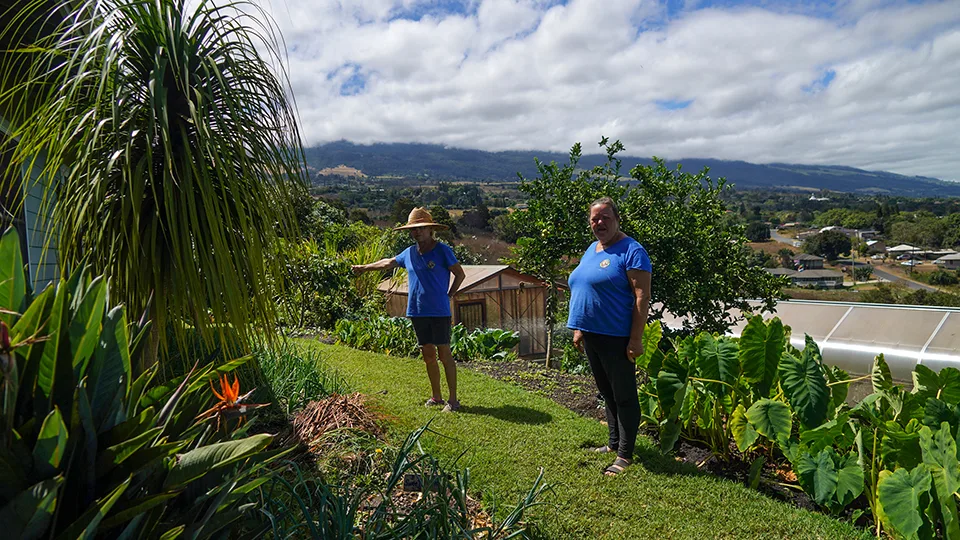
x: 482, y: 343
x: 389, y: 335
x: 86, y: 449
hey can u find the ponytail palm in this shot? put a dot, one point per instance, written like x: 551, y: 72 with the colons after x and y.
x: 169, y: 151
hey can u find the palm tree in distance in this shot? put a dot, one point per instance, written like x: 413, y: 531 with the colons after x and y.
x: 169, y: 152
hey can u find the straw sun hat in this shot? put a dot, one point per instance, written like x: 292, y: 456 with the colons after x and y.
x: 419, y: 217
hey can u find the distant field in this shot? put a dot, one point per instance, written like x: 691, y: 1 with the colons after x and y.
x: 772, y: 247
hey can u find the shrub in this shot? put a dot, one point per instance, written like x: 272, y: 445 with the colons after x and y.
x: 942, y: 277
x: 389, y: 335
x: 87, y: 449
x: 482, y: 343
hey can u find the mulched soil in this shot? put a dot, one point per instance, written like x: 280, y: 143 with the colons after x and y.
x: 575, y: 392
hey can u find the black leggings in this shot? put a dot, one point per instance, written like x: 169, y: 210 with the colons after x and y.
x: 616, y: 379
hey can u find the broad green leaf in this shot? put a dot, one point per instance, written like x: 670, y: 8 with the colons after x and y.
x: 937, y: 412
x: 899, y: 492
x: 838, y: 392
x: 47, y: 369
x: 771, y: 419
x: 51, y: 443
x: 12, y: 283
x: 85, y: 326
x: 717, y: 360
x: 761, y: 346
x: 950, y: 385
x: 829, y: 434
x: 671, y: 385
x: 196, y: 463
x: 86, y: 525
x: 669, y: 434
x: 849, y: 479
x: 756, y: 469
x: 880, y: 375
x: 940, y: 458
x: 743, y: 433
x: 925, y: 381
x: 818, y: 475
x: 651, y: 342
x: 900, y: 446
x: 29, y: 514
x: 109, y: 371
x: 805, y: 386
x: 115, y: 455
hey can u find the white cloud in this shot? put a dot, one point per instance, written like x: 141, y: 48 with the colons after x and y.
x: 867, y: 84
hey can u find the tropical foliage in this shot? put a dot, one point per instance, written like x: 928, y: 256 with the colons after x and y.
x: 395, y: 335
x: 167, y: 150
x: 88, y: 449
x: 895, y: 450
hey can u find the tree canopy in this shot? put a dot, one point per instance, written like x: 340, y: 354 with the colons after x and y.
x: 700, y: 266
x: 828, y: 244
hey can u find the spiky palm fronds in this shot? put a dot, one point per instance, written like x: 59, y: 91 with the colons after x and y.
x: 169, y: 150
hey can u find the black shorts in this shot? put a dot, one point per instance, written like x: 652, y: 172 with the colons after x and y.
x: 432, y: 330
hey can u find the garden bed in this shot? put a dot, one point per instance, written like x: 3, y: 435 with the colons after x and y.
x: 579, y: 394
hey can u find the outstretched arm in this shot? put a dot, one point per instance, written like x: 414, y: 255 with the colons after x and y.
x: 383, y: 264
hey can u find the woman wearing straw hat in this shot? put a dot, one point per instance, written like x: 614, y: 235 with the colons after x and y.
x: 429, y: 264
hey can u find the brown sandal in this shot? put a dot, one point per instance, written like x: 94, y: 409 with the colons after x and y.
x: 618, y: 465
x: 605, y: 449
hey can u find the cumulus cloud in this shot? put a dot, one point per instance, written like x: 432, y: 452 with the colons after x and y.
x: 865, y: 83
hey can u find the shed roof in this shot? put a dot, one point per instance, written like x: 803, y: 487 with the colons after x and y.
x: 951, y: 257
x: 807, y: 257
x: 817, y: 273
x: 902, y: 247
x: 781, y: 271
x: 473, y: 276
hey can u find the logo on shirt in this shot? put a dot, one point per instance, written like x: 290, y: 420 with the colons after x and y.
x: 431, y: 264
x: 604, y: 263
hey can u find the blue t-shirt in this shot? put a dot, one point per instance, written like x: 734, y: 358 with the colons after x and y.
x: 601, y: 298
x: 428, y: 280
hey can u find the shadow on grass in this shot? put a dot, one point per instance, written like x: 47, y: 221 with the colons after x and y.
x: 510, y: 413
x: 652, y: 459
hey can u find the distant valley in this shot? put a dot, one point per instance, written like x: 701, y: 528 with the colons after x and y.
x: 440, y: 162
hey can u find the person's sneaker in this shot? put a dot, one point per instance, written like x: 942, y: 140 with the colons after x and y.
x: 433, y: 402
x: 452, y: 406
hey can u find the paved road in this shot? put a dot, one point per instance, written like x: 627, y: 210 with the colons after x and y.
x: 910, y: 284
x: 780, y: 238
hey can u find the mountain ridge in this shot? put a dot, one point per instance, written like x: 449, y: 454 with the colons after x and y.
x: 443, y: 162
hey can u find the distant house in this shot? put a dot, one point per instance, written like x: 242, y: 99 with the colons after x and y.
x: 342, y: 170
x: 830, y: 279
x: 876, y: 246
x: 807, y: 234
x: 868, y: 234
x: 902, y: 248
x: 805, y: 261
x: 949, y: 262
x: 851, y: 233
x: 491, y: 296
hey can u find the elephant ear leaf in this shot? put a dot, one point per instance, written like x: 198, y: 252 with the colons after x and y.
x: 940, y: 458
x: 761, y: 346
x: 651, y: 343
x: 744, y: 434
x: 880, y: 375
x: 805, y: 386
x: 900, y: 494
x: 849, y: 479
x: 771, y: 419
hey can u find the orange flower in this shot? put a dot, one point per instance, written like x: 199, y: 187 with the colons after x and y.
x: 228, y: 392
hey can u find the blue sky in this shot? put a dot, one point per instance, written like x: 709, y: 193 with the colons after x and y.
x: 864, y: 83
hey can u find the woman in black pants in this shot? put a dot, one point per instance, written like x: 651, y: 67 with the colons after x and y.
x: 609, y: 297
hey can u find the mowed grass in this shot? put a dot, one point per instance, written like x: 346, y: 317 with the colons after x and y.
x: 505, y: 434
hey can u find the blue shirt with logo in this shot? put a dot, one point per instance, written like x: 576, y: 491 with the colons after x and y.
x: 601, y: 298
x: 428, y: 280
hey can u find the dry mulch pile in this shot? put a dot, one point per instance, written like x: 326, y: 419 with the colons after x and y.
x: 318, y: 418
x: 314, y: 424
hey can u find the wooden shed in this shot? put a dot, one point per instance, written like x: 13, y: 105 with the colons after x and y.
x: 491, y: 296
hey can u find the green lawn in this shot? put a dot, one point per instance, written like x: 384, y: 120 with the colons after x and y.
x: 506, y: 434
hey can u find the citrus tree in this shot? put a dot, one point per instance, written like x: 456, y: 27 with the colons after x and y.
x: 700, y: 269
x: 168, y: 150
